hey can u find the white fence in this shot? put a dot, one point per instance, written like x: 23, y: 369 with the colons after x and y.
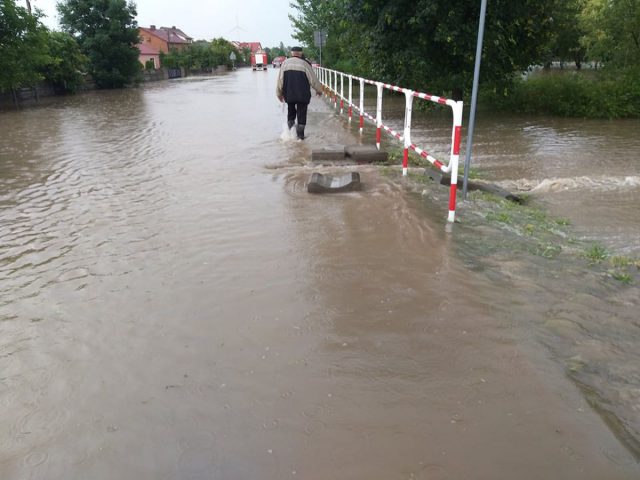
x: 336, y: 89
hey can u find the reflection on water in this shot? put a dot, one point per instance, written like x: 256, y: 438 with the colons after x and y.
x: 173, y: 304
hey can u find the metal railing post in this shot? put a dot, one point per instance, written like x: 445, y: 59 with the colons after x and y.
x: 455, y: 158
x: 350, y: 96
x: 341, y: 93
x: 361, y: 105
x: 408, y: 95
x: 379, y: 115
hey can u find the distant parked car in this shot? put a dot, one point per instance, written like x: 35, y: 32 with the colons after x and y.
x: 278, y: 61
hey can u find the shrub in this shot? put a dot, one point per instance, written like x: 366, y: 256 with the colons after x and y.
x: 608, y: 94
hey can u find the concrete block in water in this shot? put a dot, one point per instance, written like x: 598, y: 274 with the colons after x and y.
x: 348, y: 182
x: 444, y: 179
x: 328, y: 152
x: 365, y: 154
x: 438, y: 176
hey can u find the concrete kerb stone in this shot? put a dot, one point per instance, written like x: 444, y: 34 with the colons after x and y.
x: 322, y: 183
x: 365, y: 154
x: 445, y: 179
x: 329, y: 152
x: 351, y: 153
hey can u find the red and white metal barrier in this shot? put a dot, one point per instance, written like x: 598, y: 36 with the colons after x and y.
x: 329, y: 78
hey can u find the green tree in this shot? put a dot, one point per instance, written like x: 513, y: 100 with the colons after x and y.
x: 566, y: 33
x: 23, y: 46
x: 612, y: 31
x: 67, y: 65
x: 347, y: 42
x: 279, y: 51
x: 221, y: 49
x: 107, y: 33
x: 428, y: 44
x: 201, y: 55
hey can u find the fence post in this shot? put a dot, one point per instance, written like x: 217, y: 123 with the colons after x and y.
x: 408, y: 95
x: 350, y: 96
x: 341, y: 93
x: 379, y: 115
x: 455, y: 157
x: 361, y: 104
x: 335, y: 89
x: 326, y: 82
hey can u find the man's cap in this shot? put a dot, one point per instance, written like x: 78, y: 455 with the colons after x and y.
x: 296, y: 49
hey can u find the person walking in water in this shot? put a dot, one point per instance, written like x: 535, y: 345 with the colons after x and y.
x: 295, y: 80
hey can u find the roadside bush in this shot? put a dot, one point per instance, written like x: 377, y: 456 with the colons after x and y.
x: 606, y: 94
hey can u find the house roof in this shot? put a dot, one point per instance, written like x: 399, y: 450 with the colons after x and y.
x: 253, y: 46
x: 146, y: 49
x: 168, y: 34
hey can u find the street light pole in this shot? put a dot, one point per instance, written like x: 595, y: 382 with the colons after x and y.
x: 474, y: 96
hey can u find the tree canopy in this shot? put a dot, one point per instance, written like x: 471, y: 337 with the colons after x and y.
x: 67, y: 65
x: 431, y: 43
x: 611, y: 31
x: 107, y: 33
x: 201, y: 55
x: 23, y: 46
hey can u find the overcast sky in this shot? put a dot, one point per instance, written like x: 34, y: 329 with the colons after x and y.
x: 264, y: 21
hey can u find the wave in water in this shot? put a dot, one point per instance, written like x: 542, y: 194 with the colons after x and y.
x: 573, y: 183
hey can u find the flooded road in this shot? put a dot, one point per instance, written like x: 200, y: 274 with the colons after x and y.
x: 173, y: 304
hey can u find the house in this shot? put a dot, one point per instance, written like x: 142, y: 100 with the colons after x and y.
x: 252, y: 46
x: 149, y: 53
x: 164, y: 39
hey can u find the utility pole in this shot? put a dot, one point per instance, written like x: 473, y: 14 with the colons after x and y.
x: 28, y: 6
x: 474, y: 96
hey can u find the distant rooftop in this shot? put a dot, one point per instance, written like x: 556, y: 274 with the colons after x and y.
x: 168, y: 34
x: 253, y: 46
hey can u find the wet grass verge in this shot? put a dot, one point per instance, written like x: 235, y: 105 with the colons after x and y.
x: 524, y: 228
x: 547, y: 236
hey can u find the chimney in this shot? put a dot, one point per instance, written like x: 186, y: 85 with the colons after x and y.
x: 173, y: 28
x: 153, y: 27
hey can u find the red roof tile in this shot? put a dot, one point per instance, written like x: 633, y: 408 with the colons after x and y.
x: 172, y: 35
x: 253, y: 46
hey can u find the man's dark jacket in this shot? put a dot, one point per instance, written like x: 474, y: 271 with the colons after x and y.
x: 295, y: 80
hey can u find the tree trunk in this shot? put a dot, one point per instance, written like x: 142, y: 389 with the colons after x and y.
x: 15, y: 98
x: 29, y: 6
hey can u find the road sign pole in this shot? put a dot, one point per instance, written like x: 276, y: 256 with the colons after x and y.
x: 474, y: 96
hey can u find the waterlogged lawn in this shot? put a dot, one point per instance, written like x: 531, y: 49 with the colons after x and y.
x: 530, y: 228
x: 525, y: 228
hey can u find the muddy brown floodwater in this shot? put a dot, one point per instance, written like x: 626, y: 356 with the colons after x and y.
x: 173, y: 304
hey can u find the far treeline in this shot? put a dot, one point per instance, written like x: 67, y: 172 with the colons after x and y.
x: 562, y: 57
x: 98, y: 41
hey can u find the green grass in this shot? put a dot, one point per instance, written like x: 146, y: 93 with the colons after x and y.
x: 623, y: 277
x: 529, y: 229
x: 595, y: 254
x: 619, y: 261
x: 547, y: 250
